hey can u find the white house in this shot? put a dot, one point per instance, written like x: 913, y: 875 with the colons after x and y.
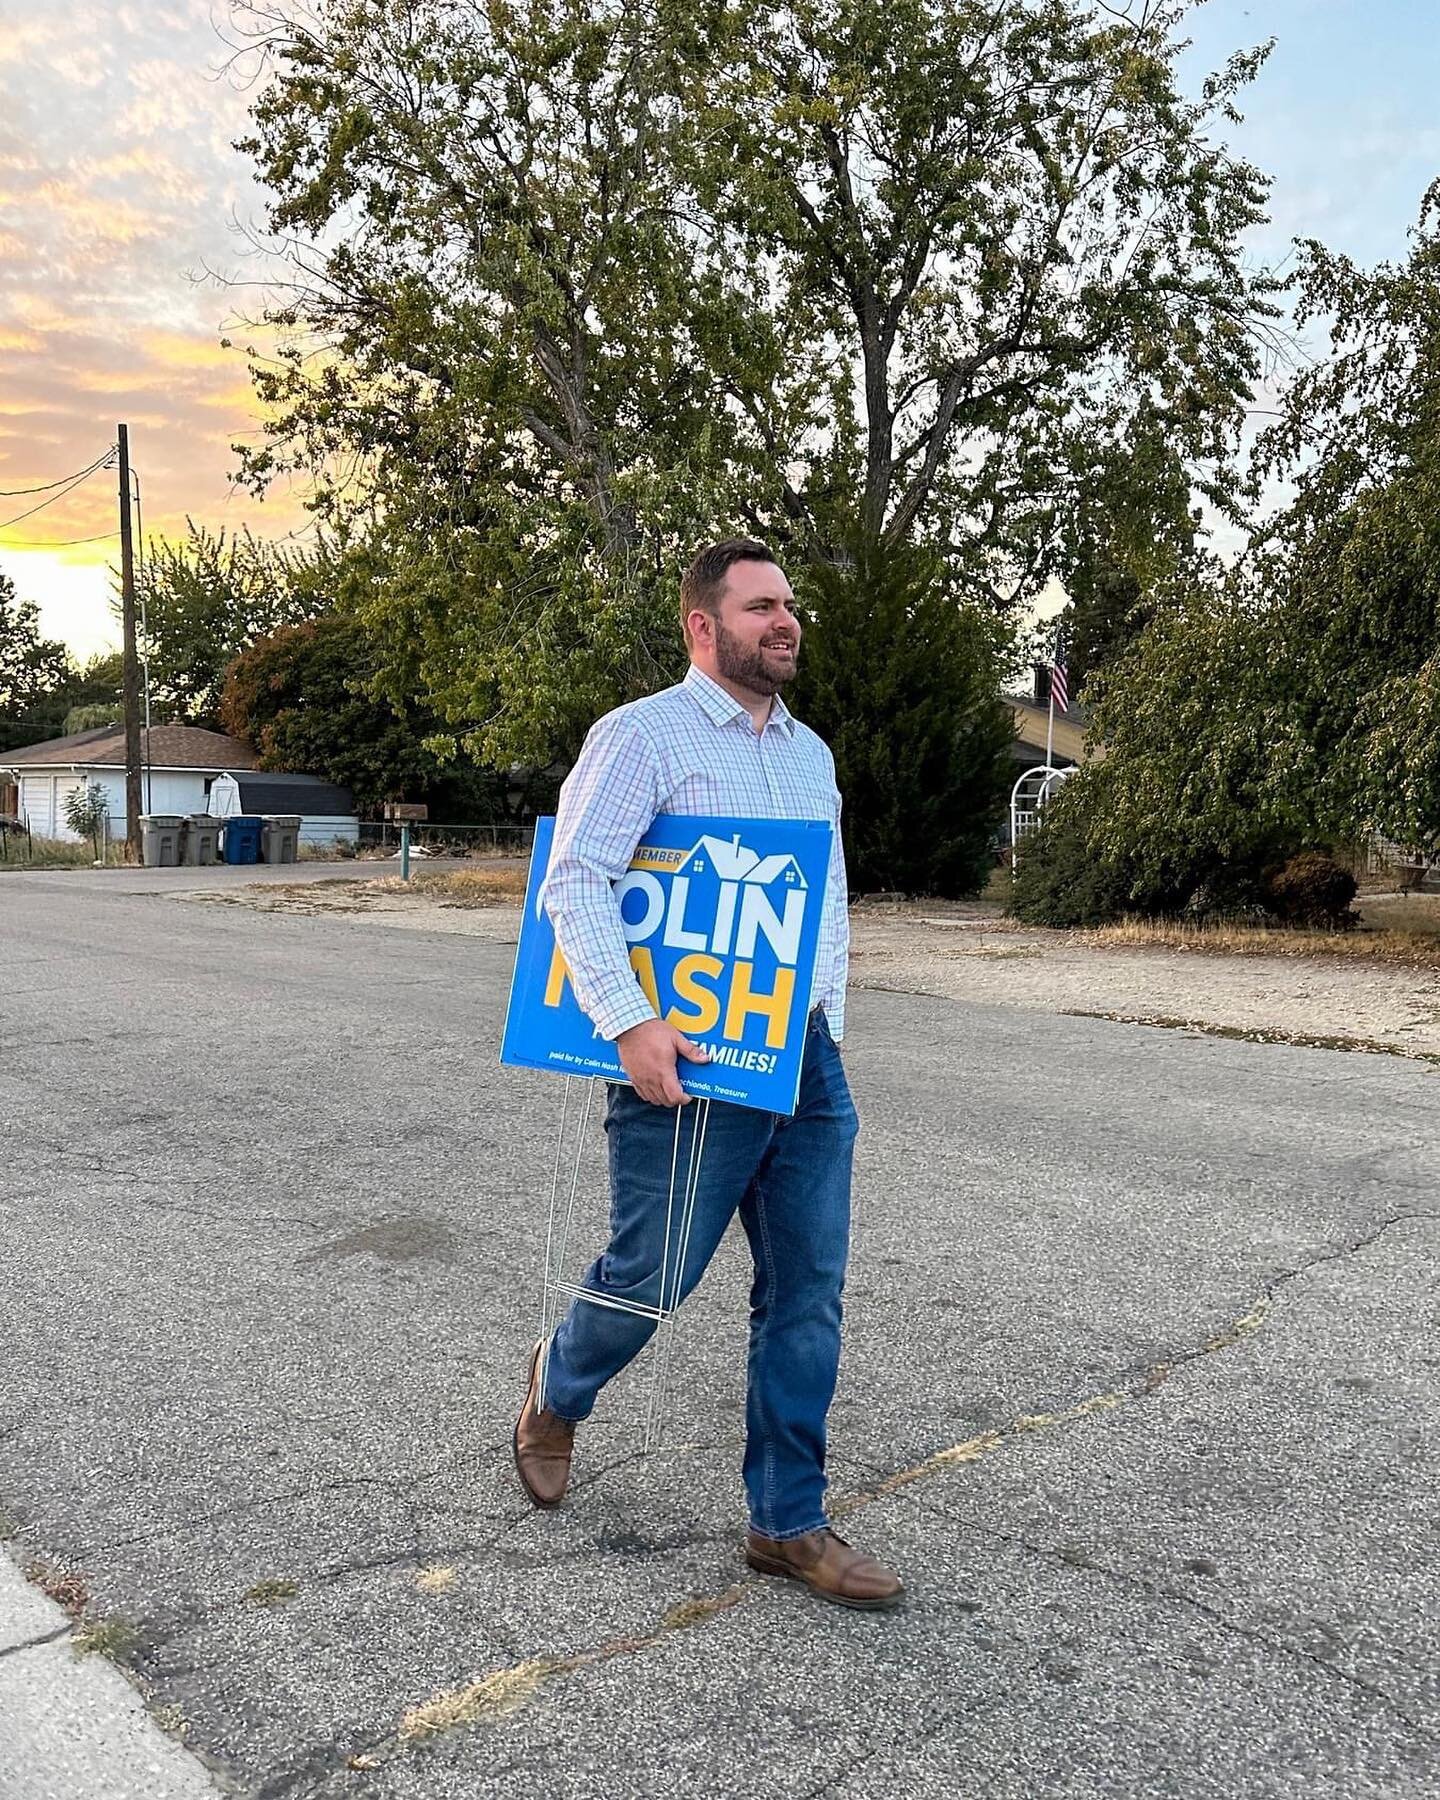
x: 179, y: 766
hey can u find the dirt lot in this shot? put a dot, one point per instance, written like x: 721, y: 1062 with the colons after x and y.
x: 970, y: 951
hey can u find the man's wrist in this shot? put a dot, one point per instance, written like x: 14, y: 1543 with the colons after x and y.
x: 622, y: 1014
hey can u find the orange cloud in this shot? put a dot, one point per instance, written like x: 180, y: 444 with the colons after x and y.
x: 178, y: 352
x: 119, y: 177
x: 98, y: 219
x: 149, y: 170
x: 118, y: 381
x: 23, y: 37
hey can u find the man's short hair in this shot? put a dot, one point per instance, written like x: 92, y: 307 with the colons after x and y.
x: 703, y: 582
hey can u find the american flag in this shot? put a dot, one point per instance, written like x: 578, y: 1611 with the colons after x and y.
x: 1060, y: 685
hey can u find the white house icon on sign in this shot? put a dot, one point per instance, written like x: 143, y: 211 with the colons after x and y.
x: 732, y: 861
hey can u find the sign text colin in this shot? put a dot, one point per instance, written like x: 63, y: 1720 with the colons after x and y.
x: 722, y: 918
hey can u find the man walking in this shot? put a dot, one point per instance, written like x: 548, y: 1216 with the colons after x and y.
x: 722, y: 743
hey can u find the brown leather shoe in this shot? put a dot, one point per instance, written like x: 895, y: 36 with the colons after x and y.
x: 828, y: 1565
x: 543, y: 1445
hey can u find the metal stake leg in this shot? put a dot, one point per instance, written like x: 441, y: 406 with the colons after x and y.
x: 555, y: 1254
x: 665, y: 1327
x: 547, y: 1283
x: 675, y: 1247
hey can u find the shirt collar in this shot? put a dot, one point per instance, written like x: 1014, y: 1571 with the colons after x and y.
x: 722, y: 708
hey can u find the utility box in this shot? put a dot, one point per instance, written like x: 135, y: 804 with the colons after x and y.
x: 242, y: 838
x: 280, y: 838
x: 160, y: 839
x: 200, y: 841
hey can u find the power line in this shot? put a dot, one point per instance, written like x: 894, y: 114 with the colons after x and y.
x: 44, y: 487
x: 57, y: 543
x: 68, y: 489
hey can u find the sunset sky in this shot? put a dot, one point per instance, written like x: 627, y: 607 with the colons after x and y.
x: 119, y: 196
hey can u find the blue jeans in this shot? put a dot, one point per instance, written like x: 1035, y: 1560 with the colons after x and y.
x: 790, y: 1179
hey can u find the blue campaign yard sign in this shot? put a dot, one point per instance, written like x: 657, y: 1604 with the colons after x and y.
x: 722, y: 917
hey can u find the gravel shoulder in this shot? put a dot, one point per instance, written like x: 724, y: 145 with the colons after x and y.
x: 970, y: 953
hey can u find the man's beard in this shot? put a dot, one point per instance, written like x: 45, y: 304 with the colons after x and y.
x: 748, y: 668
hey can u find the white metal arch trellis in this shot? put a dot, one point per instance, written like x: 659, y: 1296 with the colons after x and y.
x: 1028, y: 798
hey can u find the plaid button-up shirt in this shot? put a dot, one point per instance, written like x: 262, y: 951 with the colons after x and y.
x: 690, y: 749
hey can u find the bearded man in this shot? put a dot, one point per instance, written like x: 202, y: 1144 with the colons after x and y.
x: 720, y: 743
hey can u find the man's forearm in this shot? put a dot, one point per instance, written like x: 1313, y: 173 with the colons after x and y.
x: 581, y: 905
x: 608, y: 800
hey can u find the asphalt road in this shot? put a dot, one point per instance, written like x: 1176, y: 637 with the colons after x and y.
x: 271, y: 1230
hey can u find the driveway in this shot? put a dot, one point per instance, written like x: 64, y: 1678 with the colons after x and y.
x: 1141, y: 1391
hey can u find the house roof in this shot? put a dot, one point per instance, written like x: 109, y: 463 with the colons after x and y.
x: 307, y: 795
x: 1032, y: 723
x: 162, y: 747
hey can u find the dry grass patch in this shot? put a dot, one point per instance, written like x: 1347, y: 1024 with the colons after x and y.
x: 112, y: 1638
x: 67, y: 1587
x: 489, y: 1698
x: 471, y: 887
x: 1419, y: 913
x: 467, y: 888
x: 1405, y: 948
x: 273, y: 1590
x: 17, y: 852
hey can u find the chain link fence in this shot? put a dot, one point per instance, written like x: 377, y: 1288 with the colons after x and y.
x: 380, y: 840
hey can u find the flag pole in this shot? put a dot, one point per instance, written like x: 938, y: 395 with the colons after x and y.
x: 1050, y: 727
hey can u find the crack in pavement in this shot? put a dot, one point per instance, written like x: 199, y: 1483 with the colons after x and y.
x: 48, y: 1637
x: 112, y: 1172
x: 401, y: 1483
x: 1160, y: 1590
x: 505, y: 1690
x: 1151, y: 1589
x: 9, y: 1045
x: 508, y: 1689
x: 1260, y: 1034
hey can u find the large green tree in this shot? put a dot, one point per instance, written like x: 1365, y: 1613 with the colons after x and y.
x: 33, y: 671
x: 1295, y: 701
x: 305, y: 698
x: 1350, y: 572
x: 1130, y: 529
x: 902, y: 678
x: 590, y: 281
x: 298, y: 698
x: 209, y: 596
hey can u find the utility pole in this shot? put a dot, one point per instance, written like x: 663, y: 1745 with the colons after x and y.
x: 132, y: 661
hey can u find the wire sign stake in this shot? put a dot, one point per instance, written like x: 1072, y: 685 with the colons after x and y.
x: 557, y: 1289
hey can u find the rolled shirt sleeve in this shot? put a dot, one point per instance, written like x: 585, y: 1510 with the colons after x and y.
x: 607, y: 803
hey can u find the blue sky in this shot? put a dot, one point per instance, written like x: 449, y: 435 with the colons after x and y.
x: 1345, y: 115
x: 118, y: 187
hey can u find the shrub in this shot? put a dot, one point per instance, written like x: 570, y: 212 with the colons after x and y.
x: 1234, y: 891
x: 86, y: 814
x: 1313, y: 889
x: 901, y: 676
x: 1059, y: 881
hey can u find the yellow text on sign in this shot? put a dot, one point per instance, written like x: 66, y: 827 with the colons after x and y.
x: 691, y: 975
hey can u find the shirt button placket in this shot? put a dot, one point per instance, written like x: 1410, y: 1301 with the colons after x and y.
x: 769, y: 772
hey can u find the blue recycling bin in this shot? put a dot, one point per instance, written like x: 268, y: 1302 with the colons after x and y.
x: 242, y: 838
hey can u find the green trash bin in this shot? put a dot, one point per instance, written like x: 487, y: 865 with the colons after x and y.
x: 200, y: 841
x: 280, y: 838
x: 160, y: 839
